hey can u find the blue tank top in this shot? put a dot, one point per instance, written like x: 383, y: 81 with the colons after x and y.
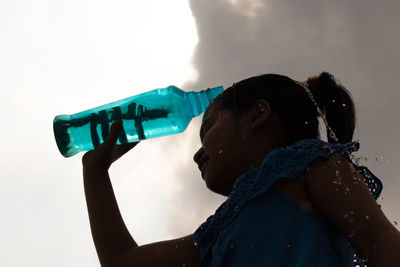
x: 260, y: 226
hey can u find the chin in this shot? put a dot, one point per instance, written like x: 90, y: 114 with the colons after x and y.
x: 216, y: 188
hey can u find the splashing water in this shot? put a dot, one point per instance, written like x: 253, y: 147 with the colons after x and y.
x: 352, y: 234
x: 358, y: 159
x: 337, y: 181
x: 348, y: 216
x: 347, y: 190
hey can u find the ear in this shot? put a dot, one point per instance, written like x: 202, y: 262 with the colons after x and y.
x: 260, y: 114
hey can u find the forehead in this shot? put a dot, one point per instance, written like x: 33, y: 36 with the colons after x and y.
x: 212, y: 110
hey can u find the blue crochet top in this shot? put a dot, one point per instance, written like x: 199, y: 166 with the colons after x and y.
x: 260, y: 226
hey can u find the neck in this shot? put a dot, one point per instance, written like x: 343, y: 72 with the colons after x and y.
x: 264, y: 141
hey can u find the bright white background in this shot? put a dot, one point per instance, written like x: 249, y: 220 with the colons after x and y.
x: 62, y: 57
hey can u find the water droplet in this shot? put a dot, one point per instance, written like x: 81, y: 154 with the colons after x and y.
x: 306, y: 122
x: 176, y: 246
x: 288, y: 245
x: 367, y: 217
x: 348, y: 216
x: 231, y: 246
x: 343, y: 104
x: 333, y: 101
x: 339, y: 161
x: 337, y: 189
x: 220, y: 151
x: 352, y: 234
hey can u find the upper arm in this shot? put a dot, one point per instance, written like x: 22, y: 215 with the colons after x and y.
x: 339, y: 193
x: 175, y: 252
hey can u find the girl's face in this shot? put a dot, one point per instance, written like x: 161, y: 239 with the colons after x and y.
x: 222, y: 157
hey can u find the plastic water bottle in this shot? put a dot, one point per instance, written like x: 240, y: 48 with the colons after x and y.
x: 155, y: 113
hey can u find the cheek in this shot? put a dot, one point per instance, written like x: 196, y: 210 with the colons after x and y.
x: 223, y: 169
x: 218, y: 141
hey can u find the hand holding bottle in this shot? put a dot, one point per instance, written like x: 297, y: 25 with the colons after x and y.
x: 101, y: 158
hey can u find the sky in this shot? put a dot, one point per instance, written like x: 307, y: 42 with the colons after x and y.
x: 62, y: 57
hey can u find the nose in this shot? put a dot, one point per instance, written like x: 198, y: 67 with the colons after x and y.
x: 198, y: 154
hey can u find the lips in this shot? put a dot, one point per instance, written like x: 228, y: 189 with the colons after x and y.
x: 202, y: 167
x: 202, y: 163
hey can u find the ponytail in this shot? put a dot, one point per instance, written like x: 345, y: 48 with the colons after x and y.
x: 337, y: 105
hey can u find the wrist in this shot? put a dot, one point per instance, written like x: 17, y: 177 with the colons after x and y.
x: 94, y: 171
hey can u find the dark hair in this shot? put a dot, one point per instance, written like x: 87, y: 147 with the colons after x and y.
x: 289, y: 100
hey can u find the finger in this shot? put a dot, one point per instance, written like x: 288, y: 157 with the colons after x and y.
x: 120, y: 150
x: 114, y: 133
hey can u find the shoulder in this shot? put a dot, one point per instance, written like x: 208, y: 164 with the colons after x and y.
x: 339, y: 193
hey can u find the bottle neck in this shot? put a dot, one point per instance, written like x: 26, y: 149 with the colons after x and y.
x: 199, y: 101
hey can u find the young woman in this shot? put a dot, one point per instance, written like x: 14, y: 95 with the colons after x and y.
x: 293, y: 199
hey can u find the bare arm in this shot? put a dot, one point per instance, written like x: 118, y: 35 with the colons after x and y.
x: 114, y: 244
x: 109, y: 232
x: 339, y: 193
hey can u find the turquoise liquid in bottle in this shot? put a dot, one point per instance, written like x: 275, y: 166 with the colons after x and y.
x: 155, y: 113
